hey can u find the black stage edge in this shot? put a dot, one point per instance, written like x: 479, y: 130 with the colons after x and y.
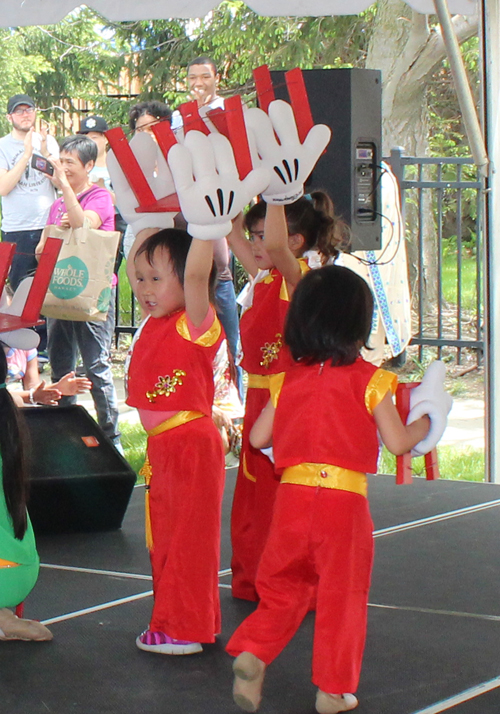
x: 434, y: 619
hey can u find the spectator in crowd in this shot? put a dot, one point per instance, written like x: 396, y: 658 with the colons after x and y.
x: 144, y: 115
x: 27, y: 193
x: 82, y: 199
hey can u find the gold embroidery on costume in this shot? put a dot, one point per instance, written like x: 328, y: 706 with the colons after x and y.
x: 166, y: 385
x: 270, y: 351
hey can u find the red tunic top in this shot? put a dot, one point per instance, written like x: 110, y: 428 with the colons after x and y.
x: 324, y: 415
x: 262, y: 325
x: 170, y: 372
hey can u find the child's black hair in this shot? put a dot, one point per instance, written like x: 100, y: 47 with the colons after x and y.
x: 329, y: 317
x: 13, y: 450
x: 314, y: 218
x: 177, y: 242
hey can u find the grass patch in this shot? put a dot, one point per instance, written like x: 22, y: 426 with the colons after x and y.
x: 133, y: 438
x: 469, y: 277
x: 455, y: 464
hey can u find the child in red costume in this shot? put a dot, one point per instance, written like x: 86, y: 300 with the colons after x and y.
x: 324, y: 436
x: 279, y: 236
x: 170, y: 381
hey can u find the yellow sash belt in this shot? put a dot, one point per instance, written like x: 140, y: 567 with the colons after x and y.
x: 146, y: 471
x: 326, y: 476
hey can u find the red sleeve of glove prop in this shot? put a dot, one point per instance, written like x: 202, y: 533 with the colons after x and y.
x: 31, y: 312
x: 7, y: 251
x: 165, y: 136
x: 237, y: 135
x: 264, y: 86
x: 404, y: 473
x: 46, y: 265
x: 130, y: 166
x: 191, y: 118
x: 300, y: 102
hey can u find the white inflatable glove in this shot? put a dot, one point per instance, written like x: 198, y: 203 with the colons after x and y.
x: 158, y: 176
x: 430, y: 398
x: 289, y: 162
x: 23, y: 338
x: 208, y: 186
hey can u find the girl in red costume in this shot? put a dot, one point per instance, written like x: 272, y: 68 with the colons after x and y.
x: 170, y: 381
x: 324, y: 436
x: 279, y: 236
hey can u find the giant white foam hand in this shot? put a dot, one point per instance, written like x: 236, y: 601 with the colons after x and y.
x: 430, y: 398
x: 158, y: 176
x: 208, y: 186
x: 288, y: 161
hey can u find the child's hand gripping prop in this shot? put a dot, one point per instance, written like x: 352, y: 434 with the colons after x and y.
x: 24, y: 309
x: 208, y: 186
x: 430, y: 398
x: 141, y: 180
x: 413, y: 400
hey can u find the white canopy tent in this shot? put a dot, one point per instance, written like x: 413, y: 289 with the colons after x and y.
x: 486, y: 150
x: 46, y: 12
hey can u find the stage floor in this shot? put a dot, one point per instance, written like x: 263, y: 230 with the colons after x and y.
x: 433, y: 636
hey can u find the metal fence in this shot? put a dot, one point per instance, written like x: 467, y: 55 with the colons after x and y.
x: 450, y: 191
x: 450, y: 188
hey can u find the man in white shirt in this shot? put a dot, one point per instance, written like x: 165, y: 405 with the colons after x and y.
x: 27, y: 193
x: 203, y: 80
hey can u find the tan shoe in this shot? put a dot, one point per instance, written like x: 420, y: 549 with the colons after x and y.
x: 334, y: 703
x: 16, y: 628
x: 249, y: 673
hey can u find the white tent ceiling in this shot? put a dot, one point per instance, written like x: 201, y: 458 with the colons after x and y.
x: 46, y: 12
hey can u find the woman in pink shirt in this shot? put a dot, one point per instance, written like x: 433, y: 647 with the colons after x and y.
x: 82, y: 200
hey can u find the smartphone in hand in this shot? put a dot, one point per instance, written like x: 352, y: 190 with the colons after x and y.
x: 40, y: 163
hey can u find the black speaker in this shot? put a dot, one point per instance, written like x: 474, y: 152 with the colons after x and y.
x: 78, y: 480
x: 349, y: 101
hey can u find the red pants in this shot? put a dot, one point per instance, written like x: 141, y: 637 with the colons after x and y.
x: 319, y: 538
x: 253, y: 503
x: 187, y: 483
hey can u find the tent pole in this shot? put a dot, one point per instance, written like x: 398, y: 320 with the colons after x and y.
x: 490, y: 36
x: 464, y: 94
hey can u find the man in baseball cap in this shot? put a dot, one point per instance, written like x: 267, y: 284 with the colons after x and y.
x: 17, y: 100
x: 93, y: 125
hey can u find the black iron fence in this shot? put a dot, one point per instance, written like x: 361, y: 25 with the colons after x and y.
x: 441, y: 202
x: 442, y: 207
